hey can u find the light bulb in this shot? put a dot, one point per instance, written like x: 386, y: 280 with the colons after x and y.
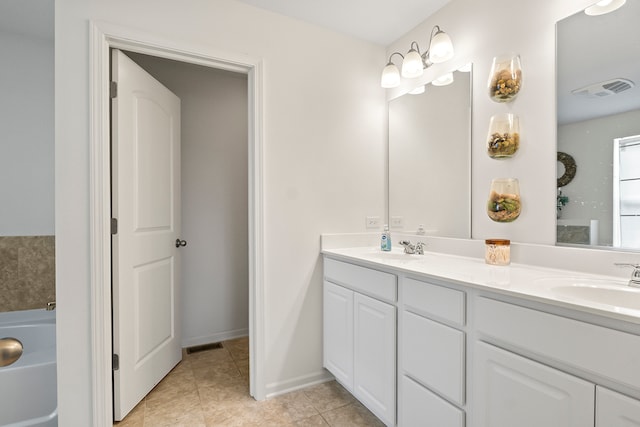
x: 441, y: 48
x: 390, y: 76
x: 412, y: 65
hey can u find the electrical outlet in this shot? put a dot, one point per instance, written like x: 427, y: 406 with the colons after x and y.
x: 373, y: 222
x: 397, y: 222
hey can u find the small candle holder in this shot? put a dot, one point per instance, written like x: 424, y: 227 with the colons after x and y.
x: 497, y: 251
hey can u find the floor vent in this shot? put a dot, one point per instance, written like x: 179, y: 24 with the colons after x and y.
x: 204, y: 347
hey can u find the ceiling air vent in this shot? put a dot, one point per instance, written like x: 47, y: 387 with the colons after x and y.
x: 606, y: 88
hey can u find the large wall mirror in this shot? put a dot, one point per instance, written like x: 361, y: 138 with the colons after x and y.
x: 598, y: 100
x: 430, y: 159
x: 27, y: 154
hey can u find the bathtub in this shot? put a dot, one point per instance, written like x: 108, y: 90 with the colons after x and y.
x: 28, y: 386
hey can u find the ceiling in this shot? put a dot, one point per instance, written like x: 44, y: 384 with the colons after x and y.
x: 594, y: 49
x: 378, y: 21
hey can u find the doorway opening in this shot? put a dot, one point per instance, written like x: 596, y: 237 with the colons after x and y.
x: 105, y: 38
x: 201, y: 184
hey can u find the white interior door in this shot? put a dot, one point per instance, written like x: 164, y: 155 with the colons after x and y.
x: 146, y: 203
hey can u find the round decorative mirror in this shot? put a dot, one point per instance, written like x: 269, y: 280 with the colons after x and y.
x: 569, y: 168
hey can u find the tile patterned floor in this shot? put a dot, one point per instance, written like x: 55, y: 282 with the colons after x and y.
x: 211, y: 388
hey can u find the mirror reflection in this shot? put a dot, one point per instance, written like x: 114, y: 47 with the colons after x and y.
x: 430, y: 158
x: 598, y: 99
x: 27, y: 155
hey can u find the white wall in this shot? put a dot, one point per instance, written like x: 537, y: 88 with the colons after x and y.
x: 481, y: 30
x: 590, y: 143
x: 215, y: 279
x: 26, y: 135
x: 324, y: 141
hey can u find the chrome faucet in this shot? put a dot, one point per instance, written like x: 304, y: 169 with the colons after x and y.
x: 51, y: 305
x: 634, y: 281
x: 410, y: 248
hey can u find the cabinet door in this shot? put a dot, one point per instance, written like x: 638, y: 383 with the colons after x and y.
x: 433, y: 354
x: 511, y: 390
x: 616, y: 410
x: 375, y: 356
x: 338, y: 333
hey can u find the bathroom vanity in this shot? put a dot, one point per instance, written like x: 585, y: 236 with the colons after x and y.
x: 443, y: 340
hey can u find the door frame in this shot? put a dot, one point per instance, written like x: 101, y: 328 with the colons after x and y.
x: 103, y: 37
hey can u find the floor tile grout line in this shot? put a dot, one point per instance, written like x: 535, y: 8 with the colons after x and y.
x: 336, y: 394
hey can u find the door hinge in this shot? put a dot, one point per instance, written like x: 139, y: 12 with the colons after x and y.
x: 115, y: 362
x: 113, y: 89
x: 114, y: 225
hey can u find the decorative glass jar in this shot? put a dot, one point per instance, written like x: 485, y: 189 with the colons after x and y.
x: 505, y: 79
x: 497, y: 251
x: 504, y: 200
x: 504, y: 136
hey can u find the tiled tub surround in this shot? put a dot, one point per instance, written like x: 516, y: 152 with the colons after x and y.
x: 464, y: 326
x: 27, y: 272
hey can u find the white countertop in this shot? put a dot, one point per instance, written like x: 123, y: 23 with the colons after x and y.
x: 521, y: 280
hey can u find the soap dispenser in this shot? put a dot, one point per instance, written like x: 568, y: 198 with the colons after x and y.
x: 385, y: 240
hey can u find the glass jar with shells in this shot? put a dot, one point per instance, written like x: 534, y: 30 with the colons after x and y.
x: 503, y: 139
x: 505, y: 79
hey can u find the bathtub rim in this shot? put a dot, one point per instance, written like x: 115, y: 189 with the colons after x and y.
x: 36, y: 315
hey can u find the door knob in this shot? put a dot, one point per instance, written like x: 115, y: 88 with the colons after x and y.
x: 180, y: 243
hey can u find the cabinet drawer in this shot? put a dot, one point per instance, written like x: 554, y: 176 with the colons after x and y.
x: 433, y: 354
x: 434, y: 301
x: 374, y: 283
x: 421, y: 407
x: 597, y: 350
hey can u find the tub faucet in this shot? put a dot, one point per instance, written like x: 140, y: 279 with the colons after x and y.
x: 634, y: 281
x: 51, y: 305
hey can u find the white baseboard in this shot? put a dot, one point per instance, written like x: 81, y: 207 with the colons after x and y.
x: 278, y: 388
x: 217, y: 337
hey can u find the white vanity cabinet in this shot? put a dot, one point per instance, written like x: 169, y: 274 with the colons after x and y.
x: 360, y: 334
x: 468, y: 356
x: 432, y: 355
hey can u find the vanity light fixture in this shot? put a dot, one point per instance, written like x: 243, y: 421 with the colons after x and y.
x: 604, y: 6
x: 414, y: 62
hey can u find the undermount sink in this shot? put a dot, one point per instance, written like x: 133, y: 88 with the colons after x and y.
x: 378, y: 255
x: 621, y: 296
